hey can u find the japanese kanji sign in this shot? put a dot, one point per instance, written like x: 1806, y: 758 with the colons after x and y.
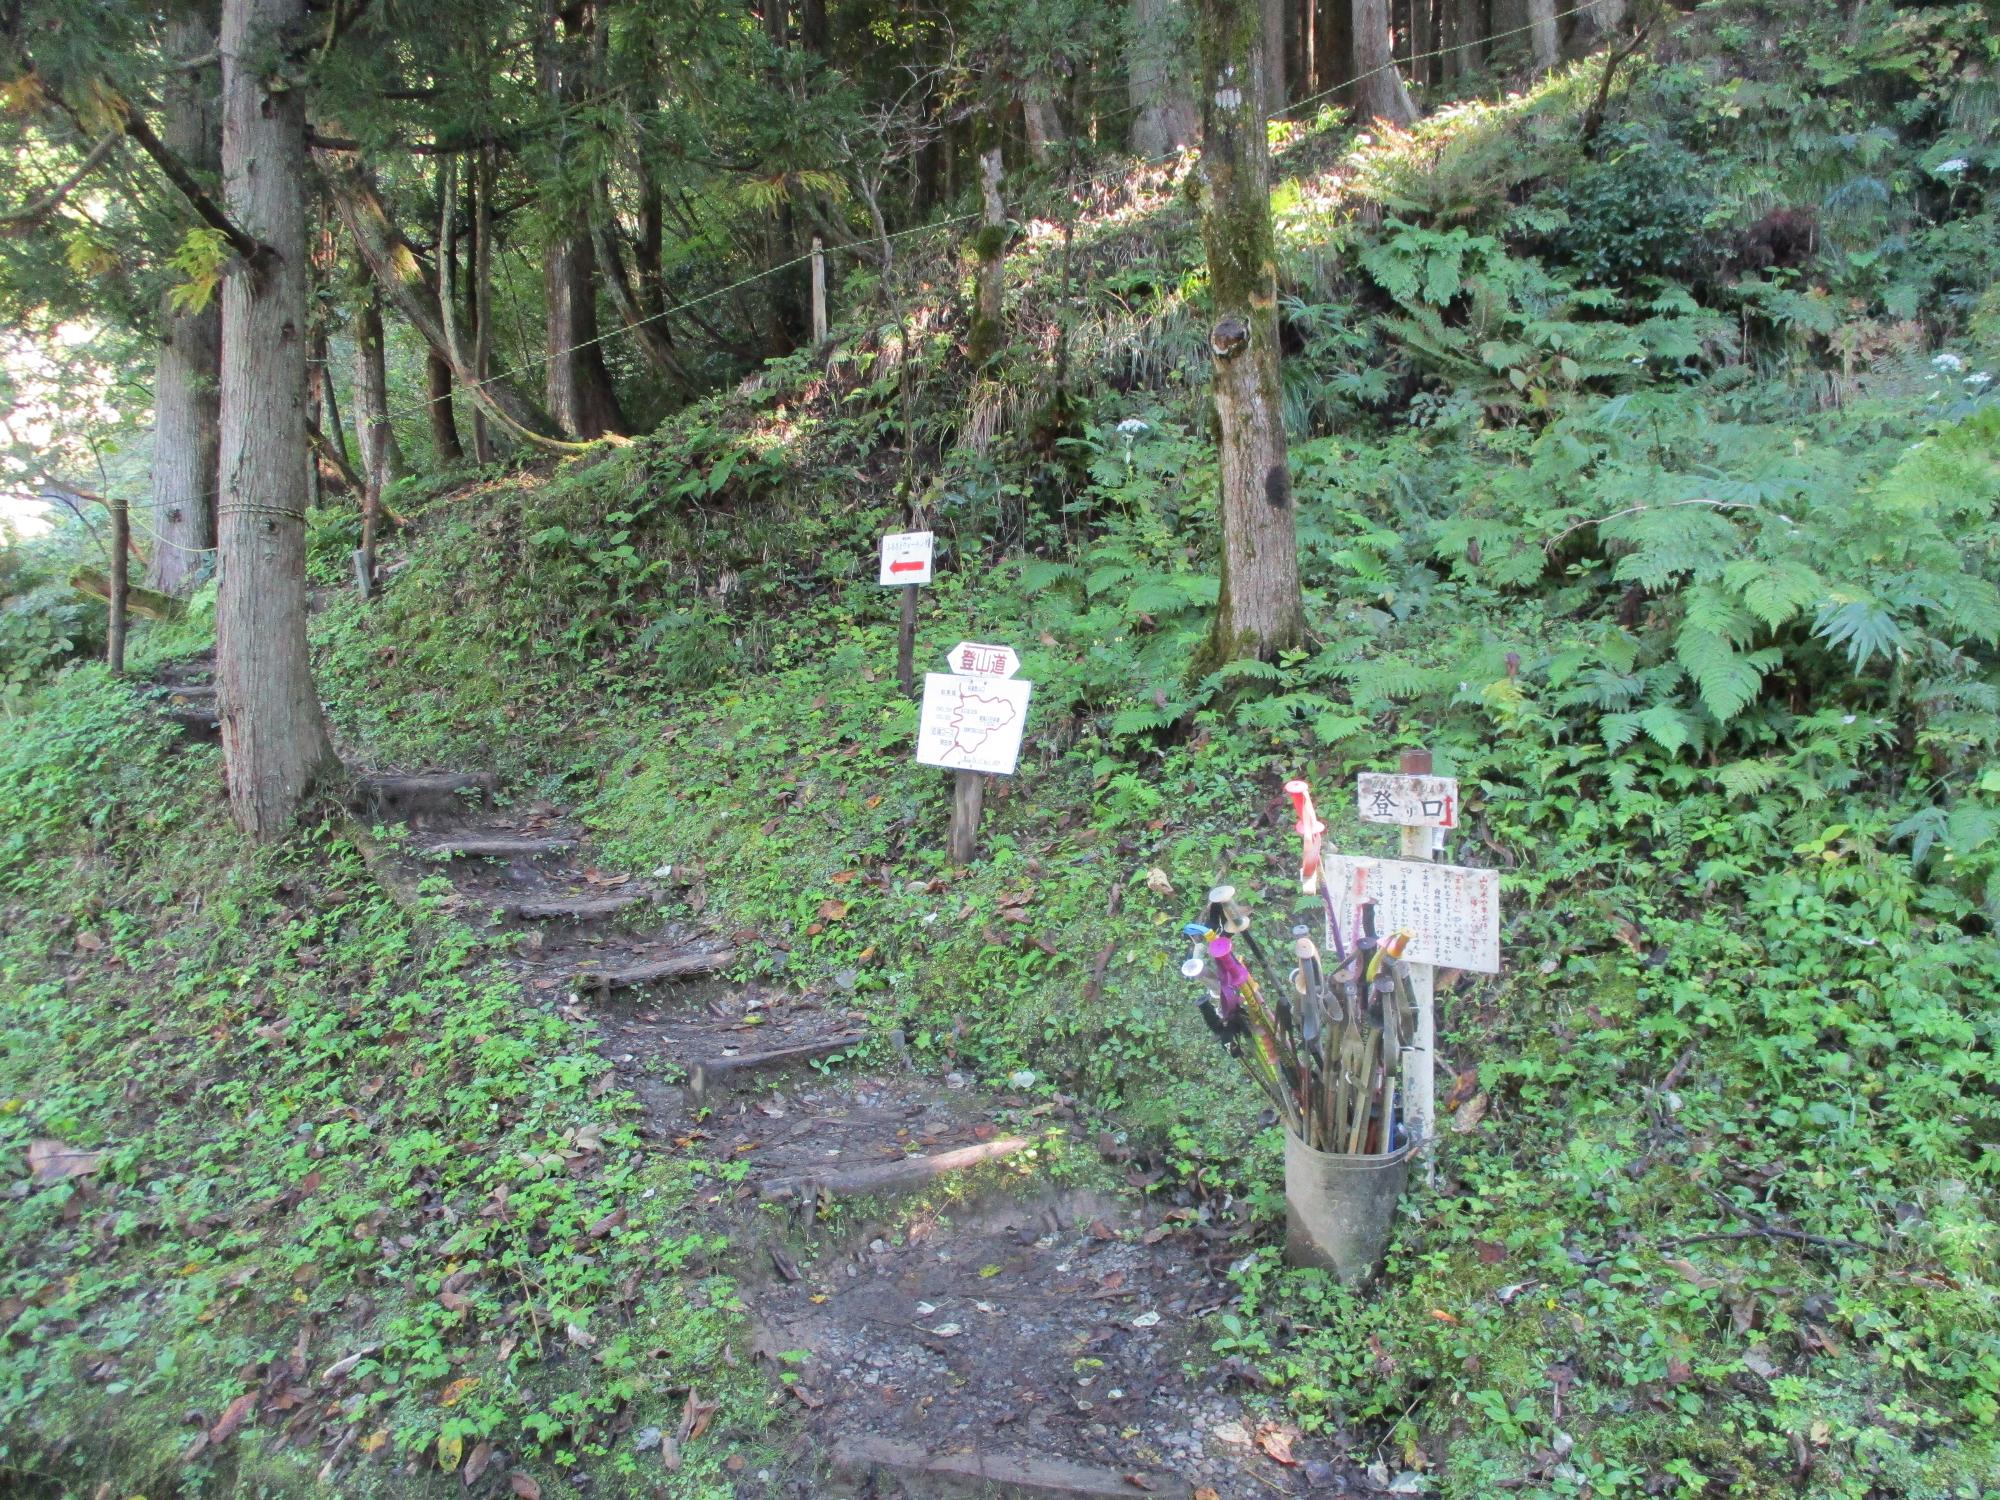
x: 1412, y: 801
x: 1452, y: 910
x: 972, y: 723
x: 906, y: 558
x: 977, y: 659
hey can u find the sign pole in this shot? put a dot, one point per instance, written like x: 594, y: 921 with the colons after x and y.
x: 819, y: 291
x: 1420, y: 1056
x: 968, y: 797
x: 906, y: 643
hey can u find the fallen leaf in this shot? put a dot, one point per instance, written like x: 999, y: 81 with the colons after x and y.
x: 1491, y: 1252
x: 606, y: 1224
x: 341, y: 1367
x: 232, y: 1417
x: 1679, y: 1371
x: 454, y: 1301
x: 475, y: 1465
x: 1157, y: 882
x: 579, y: 1337
x: 456, y: 1391
x: 1205, y: 1493
x: 832, y: 911
x: 695, y: 1416
x: 1147, y: 1319
x: 1277, y: 1442
x: 89, y: 942
x: 1467, y: 1116
x: 449, y: 1451
x: 1233, y: 1433
x: 843, y: 876
x: 947, y: 1330
x: 524, y: 1486
x: 376, y: 1441
x: 1442, y: 1316
x: 55, y: 1161
x: 1141, y: 1482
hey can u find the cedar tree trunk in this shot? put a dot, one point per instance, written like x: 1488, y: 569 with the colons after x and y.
x: 1157, y: 78
x: 1379, y: 95
x: 274, y: 739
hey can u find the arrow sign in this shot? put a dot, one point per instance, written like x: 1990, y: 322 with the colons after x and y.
x: 977, y: 659
x: 906, y: 558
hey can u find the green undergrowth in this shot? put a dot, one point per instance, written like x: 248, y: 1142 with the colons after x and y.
x: 337, y: 1162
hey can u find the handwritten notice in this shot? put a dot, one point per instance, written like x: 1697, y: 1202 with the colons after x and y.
x: 1452, y: 910
x: 1411, y: 801
x: 972, y: 723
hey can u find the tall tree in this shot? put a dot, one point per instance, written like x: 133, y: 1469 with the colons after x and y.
x: 1542, y: 33
x: 1259, y: 611
x: 1379, y: 93
x: 274, y: 738
x: 1274, y: 55
x: 187, y: 412
x: 579, y: 392
x: 1157, y: 83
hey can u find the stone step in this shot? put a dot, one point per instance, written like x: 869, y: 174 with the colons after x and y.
x: 674, y: 966
x: 864, y: 1460
x: 383, y: 794
x: 494, y: 846
x: 714, y: 1073
x: 886, y: 1177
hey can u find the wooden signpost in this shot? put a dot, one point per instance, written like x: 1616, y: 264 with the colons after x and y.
x: 971, y: 722
x: 907, y: 562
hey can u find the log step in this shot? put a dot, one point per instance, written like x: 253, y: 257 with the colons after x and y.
x: 860, y: 1459
x: 677, y: 966
x: 496, y: 848
x: 888, y: 1176
x: 567, y: 908
x: 195, y: 723
x: 717, y: 1071
x: 438, y: 792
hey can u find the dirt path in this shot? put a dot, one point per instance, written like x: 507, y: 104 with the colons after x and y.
x: 957, y: 1293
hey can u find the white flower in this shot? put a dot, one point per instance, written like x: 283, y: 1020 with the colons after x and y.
x: 1132, y: 427
x: 1948, y: 361
x: 1950, y: 168
x: 1979, y: 378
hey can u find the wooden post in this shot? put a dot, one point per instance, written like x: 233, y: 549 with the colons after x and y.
x: 819, y: 291
x: 1420, y: 1055
x: 906, y: 643
x: 968, y: 796
x: 121, y: 582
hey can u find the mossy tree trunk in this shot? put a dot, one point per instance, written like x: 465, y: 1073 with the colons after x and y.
x: 1259, y: 612
x: 274, y: 738
x: 989, y: 329
x: 187, y: 412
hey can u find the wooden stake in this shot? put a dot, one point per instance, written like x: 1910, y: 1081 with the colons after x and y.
x: 121, y: 582
x: 968, y: 796
x: 1420, y: 1051
x: 819, y: 291
x: 906, y: 643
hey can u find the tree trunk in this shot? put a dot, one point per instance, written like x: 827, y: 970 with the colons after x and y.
x: 482, y: 296
x: 1333, y: 48
x: 437, y: 392
x: 381, y: 455
x: 1542, y: 33
x: 1597, y: 25
x: 988, y: 315
x: 1039, y: 118
x: 1461, y: 30
x: 1273, y: 18
x: 1379, y: 93
x: 579, y: 392
x: 274, y: 739
x: 1157, y: 75
x: 186, y: 402
x: 1423, y: 42
x: 1259, y: 611
x: 646, y: 326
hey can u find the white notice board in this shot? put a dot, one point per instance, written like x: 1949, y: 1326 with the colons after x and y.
x: 906, y: 559
x: 972, y: 723
x: 1453, y: 910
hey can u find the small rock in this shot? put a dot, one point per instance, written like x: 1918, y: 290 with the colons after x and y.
x: 1147, y: 1319
x: 955, y: 1080
x: 947, y: 1330
x: 648, y: 1439
x: 1237, y: 1436
x: 1024, y: 1079
x: 1407, y: 1483
x: 877, y: 1247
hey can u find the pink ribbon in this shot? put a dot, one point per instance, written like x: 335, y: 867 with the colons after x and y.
x: 1311, y: 831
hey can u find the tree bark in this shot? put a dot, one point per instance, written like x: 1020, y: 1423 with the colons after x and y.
x: 1259, y: 611
x: 1542, y: 33
x: 1273, y: 17
x: 578, y: 390
x: 381, y: 455
x: 1040, y: 120
x: 1461, y: 30
x: 274, y: 738
x: 187, y: 411
x: 482, y: 296
x: 1333, y: 46
x: 1423, y: 33
x: 1157, y: 78
x: 437, y: 395
x: 1379, y: 93
x: 1597, y: 25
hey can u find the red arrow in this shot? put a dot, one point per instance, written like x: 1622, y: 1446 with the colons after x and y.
x: 906, y: 567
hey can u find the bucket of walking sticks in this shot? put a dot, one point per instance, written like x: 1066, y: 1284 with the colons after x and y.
x: 1340, y: 1209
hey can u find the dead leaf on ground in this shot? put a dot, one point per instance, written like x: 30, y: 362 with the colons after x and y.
x: 579, y: 1337
x: 832, y: 911
x: 89, y: 942
x: 524, y: 1486
x: 1277, y: 1443
x: 1158, y: 883
x: 1141, y: 1482
x: 475, y: 1464
x: 1465, y: 1119
x: 341, y: 1367
x: 695, y: 1417
x: 1205, y: 1493
x: 57, y: 1161
x: 232, y: 1417
x: 605, y: 1225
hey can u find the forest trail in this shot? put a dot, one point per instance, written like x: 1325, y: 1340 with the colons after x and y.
x: 946, y: 1314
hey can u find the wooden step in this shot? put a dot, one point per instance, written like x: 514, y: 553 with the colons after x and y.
x: 477, y: 846
x: 674, y: 966
x: 567, y: 908
x: 888, y: 1176
x: 861, y: 1459
x: 195, y: 723
x: 717, y: 1072
x: 445, y: 792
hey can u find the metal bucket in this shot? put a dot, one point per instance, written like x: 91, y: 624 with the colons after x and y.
x: 1339, y: 1209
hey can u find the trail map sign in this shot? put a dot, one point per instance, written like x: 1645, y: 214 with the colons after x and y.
x: 1453, y: 910
x: 906, y: 558
x: 972, y: 723
x: 1409, y: 801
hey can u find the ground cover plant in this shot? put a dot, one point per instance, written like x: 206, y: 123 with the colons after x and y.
x: 1647, y: 473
